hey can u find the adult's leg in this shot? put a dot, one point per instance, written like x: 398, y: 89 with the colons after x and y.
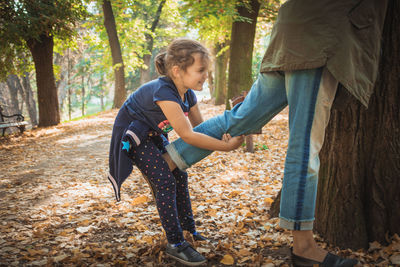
x: 310, y: 95
x: 148, y: 159
x: 266, y: 98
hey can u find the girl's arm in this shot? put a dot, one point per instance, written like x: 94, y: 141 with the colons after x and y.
x: 195, y: 116
x: 182, y: 127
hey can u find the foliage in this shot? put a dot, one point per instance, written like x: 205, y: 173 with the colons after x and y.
x: 133, y: 19
x: 212, y: 19
x: 23, y: 20
x: 58, y: 209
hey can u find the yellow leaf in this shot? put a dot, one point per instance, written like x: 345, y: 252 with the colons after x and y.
x: 140, y: 200
x: 212, y: 212
x: 227, y: 260
x: 240, y: 225
x: 131, y: 239
x: 249, y: 214
x: 84, y: 223
x: 244, y: 252
x: 148, y: 239
x: 268, y: 201
x: 34, y: 252
x: 233, y: 194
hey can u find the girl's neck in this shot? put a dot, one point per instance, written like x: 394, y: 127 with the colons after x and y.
x: 181, y: 89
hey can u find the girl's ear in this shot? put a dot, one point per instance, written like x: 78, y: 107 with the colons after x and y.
x: 175, y: 71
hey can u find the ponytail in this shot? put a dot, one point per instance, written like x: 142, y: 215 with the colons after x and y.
x: 159, y: 63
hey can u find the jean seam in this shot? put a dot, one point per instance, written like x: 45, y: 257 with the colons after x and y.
x: 306, y: 155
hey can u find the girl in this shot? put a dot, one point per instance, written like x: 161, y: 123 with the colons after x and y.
x: 140, y: 135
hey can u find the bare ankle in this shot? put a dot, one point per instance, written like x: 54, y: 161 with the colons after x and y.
x: 304, y: 245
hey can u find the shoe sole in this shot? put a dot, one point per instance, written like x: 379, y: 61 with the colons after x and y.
x: 188, y: 263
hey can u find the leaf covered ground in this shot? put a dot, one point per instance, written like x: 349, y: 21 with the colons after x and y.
x: 57, y: 207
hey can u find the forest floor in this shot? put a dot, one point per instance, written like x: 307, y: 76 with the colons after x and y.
x: 57, y: 207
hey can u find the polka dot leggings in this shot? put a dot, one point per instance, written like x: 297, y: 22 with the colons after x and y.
x: 172, y: 192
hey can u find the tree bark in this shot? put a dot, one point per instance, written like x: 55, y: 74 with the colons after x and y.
x: 241, y: 51
x: 13, y: 90
x: 145, y: 72
x: 42, y: 53
x: 29, y: 99
x: 83, y: 96
x: 118, y: 64
x: 69, y: 85
x: 221, y: 66
x: 358, y: 190
x: 359, y: 198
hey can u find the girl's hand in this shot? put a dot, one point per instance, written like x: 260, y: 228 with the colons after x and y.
x: 233, y: 142
x: 226, y: 137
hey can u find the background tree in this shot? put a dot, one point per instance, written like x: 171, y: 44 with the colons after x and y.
x: 154, y: 18
x: 33, y: 25
x: 242, y: 39
x: 358, y: 190
x: 118, y: 64
x: 213, y: 19
x: 29, y: 98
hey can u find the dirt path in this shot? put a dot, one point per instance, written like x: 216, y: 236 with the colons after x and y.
x: 57, y: 207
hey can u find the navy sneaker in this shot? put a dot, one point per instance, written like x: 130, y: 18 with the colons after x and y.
x: 198, y: 237
x: 185, y: 254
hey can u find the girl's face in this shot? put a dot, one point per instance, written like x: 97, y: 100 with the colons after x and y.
x: 195, y: 75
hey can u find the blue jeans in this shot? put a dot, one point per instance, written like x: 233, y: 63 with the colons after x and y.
x: 309, y: 94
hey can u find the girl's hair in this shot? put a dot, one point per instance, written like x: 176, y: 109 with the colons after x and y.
x: 179, y: 53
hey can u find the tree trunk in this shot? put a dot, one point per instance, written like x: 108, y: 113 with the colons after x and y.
x: 102, y: 93
x: 83, y: 96
x: 210, y: 81
x: 241, y: 51
x: 118, y: 64
x: 13, y: 90
x: 42, y: 53
x: 145, y: 72
x: 69, y: 85
x: 29, y: 99
x: 221, y: 65
x: 21, y: 93
x: 17, y: 88
x: 359, y: 186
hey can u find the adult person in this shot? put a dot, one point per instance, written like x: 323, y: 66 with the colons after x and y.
x: 315, y: 45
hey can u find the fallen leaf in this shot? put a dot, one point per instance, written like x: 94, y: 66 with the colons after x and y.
x: 140, y: 200
x: 227, y: 260
x: 395, y: 259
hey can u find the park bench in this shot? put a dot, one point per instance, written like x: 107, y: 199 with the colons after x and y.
x: 15, y: 120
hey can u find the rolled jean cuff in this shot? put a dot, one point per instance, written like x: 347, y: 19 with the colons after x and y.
x: 297, y: 226
x: 176, y: 157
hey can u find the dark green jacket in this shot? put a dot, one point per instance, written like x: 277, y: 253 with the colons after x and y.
x: 343, y: 35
